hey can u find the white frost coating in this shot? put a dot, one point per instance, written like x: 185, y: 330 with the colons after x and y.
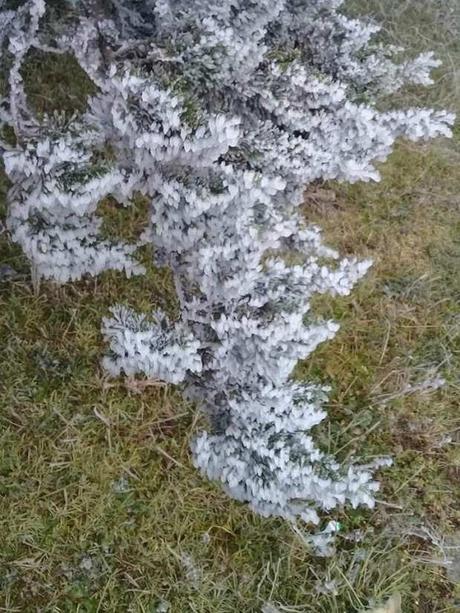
x: 57, y: 188
x: 157, y: 350
x: 219, y: 113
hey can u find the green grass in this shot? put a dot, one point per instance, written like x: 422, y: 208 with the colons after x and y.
x: 100, y: 507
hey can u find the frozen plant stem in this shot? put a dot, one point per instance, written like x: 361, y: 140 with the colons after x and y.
x: 220, y: 113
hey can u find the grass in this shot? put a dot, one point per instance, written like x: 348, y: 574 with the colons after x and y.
x: 100, y: 507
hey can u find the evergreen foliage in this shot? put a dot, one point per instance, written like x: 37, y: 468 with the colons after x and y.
x: 220, y: 112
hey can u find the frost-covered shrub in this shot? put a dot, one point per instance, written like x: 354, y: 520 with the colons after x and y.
x: 220, y: 113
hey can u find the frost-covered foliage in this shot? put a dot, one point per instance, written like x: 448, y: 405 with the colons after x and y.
x: 159, y: 350
x: 219, y: 112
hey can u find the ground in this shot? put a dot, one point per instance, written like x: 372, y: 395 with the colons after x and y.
x: 100, y: 507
